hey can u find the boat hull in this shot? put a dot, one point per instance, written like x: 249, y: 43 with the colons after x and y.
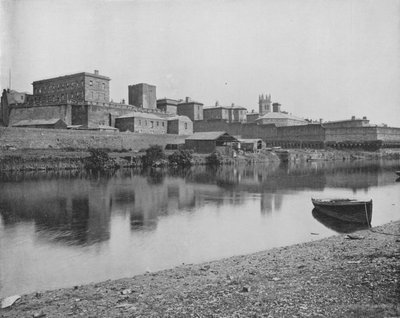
x: 346, y: 210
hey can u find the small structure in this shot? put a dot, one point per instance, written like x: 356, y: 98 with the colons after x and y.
x: 190, y: 108
x: 207, y: 142
x: 54, y: 123
x: 180, y: 125
x: 251, y: 144
x: 142, y: 123
x: 167, y: 105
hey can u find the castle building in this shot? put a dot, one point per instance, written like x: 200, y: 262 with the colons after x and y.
x: 191, y: 109
x: 142, y: 95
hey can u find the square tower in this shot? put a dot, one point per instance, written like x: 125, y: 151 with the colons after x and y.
x: 142, y: 95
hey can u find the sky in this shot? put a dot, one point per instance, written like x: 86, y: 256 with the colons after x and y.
x: 329, y: 59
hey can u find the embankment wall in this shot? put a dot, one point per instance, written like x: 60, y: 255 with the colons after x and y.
x: 33, y: 138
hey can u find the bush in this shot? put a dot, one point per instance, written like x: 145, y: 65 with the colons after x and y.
x: 181, y: 158
x: 215, y: 159
x: 99, y: 160
x: 154, y: 156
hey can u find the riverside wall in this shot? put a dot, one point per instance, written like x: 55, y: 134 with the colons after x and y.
x: 34, y: 138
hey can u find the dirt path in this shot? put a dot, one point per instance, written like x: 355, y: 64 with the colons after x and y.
x: 333, y: 277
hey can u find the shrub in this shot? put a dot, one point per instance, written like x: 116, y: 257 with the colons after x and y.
x: 154, y: 156
x: 181, y: 158
x: 99, y: 160
x: 215, y: 159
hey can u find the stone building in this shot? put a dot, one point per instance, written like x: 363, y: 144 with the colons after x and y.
x: 83, y: 86
x: 191, y: 109
x: 167, y: 105
x: 353, y: 122
x: 180, y: 125
x: 142, y: 95
x: 141, y: 122
x: 252, y: 117
x: 231, y: 114
x: 280, y: 119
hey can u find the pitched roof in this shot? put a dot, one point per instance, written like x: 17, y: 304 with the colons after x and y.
x: 279, y: 115
x: 141, y: 115
x: 211, y: 135
x: 33, y: 122
x: 179, y: 117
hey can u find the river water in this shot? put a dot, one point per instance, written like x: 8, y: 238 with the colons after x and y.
x: 70, y: 228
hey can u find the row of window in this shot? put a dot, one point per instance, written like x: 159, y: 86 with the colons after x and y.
x: 151, y: 123
x: 57, y: 98
x: 68, y: 85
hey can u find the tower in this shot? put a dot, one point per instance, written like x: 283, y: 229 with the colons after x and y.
x: 264, y: 104
x: 142, y: 95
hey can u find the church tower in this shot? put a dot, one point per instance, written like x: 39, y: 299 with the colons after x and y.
x: 264, y: 104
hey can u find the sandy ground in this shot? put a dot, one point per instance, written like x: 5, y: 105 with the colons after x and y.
x: 333, y: 277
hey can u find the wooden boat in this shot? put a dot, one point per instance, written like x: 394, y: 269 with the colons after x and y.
x: 348, y: 210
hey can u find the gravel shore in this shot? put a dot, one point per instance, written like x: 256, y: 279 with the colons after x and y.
x: 340, y: 276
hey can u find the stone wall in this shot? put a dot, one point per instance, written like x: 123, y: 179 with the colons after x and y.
x: 40, y: 112
x: 34, y: 138
x: 388, y: 134
x: 359, y: 134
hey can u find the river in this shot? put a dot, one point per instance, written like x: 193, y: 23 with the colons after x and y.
x: 69, y: 228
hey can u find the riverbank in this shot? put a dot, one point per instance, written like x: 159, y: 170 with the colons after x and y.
x: 333, y: 277
x: 71, y: 159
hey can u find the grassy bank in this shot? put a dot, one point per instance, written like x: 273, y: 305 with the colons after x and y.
x: 333, y: 277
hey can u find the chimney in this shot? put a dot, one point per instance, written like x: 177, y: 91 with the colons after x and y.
x: 217, y: 103
x: 96, y: 72
x: 187, y: 99
x: 365, y: 117
x: 353, y: 117
x: 233, y: 104
x: 320, y: 120
x: 123, y: 101
x: 276, y: 107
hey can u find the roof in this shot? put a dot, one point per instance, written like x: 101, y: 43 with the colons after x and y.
x: 211, y: 135
x: 33, y: 122
x: 73, y: 75
x: 249, y: 141
x: 279, y: 115
x: 223, y: 107
x: 181, y: 117
x: 141, y: 115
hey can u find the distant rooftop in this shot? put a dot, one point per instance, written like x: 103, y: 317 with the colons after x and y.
x: 95, y: 74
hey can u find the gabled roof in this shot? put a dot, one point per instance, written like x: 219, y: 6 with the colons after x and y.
x: 141, y: 115
x: 212, y: 135
x: 33, y: 122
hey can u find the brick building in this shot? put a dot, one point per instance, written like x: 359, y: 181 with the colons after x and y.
x: 142, y: 95
x: 191, y: 109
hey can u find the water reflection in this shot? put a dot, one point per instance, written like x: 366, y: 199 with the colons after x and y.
x: 99, y: 226
x: 338, y: 225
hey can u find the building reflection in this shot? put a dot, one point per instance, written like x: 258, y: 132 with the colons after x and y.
x: 77, y: 208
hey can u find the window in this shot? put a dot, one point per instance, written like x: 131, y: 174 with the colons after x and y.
x: 185, y: 125
x: 158, y: 124
x: 140, y: 122
x: 104, y: 86
x: 163, y: 124
x: 151, y: 124
x: 145, y: 122
x: 91, y: 83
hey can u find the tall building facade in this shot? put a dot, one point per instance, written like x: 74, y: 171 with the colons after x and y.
x: 142, y: 95
x: 191, y: 109
x: 264, y: 104
x: 79, y: 87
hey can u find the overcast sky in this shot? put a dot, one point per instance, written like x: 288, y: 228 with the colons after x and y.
x: 319, y: 59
